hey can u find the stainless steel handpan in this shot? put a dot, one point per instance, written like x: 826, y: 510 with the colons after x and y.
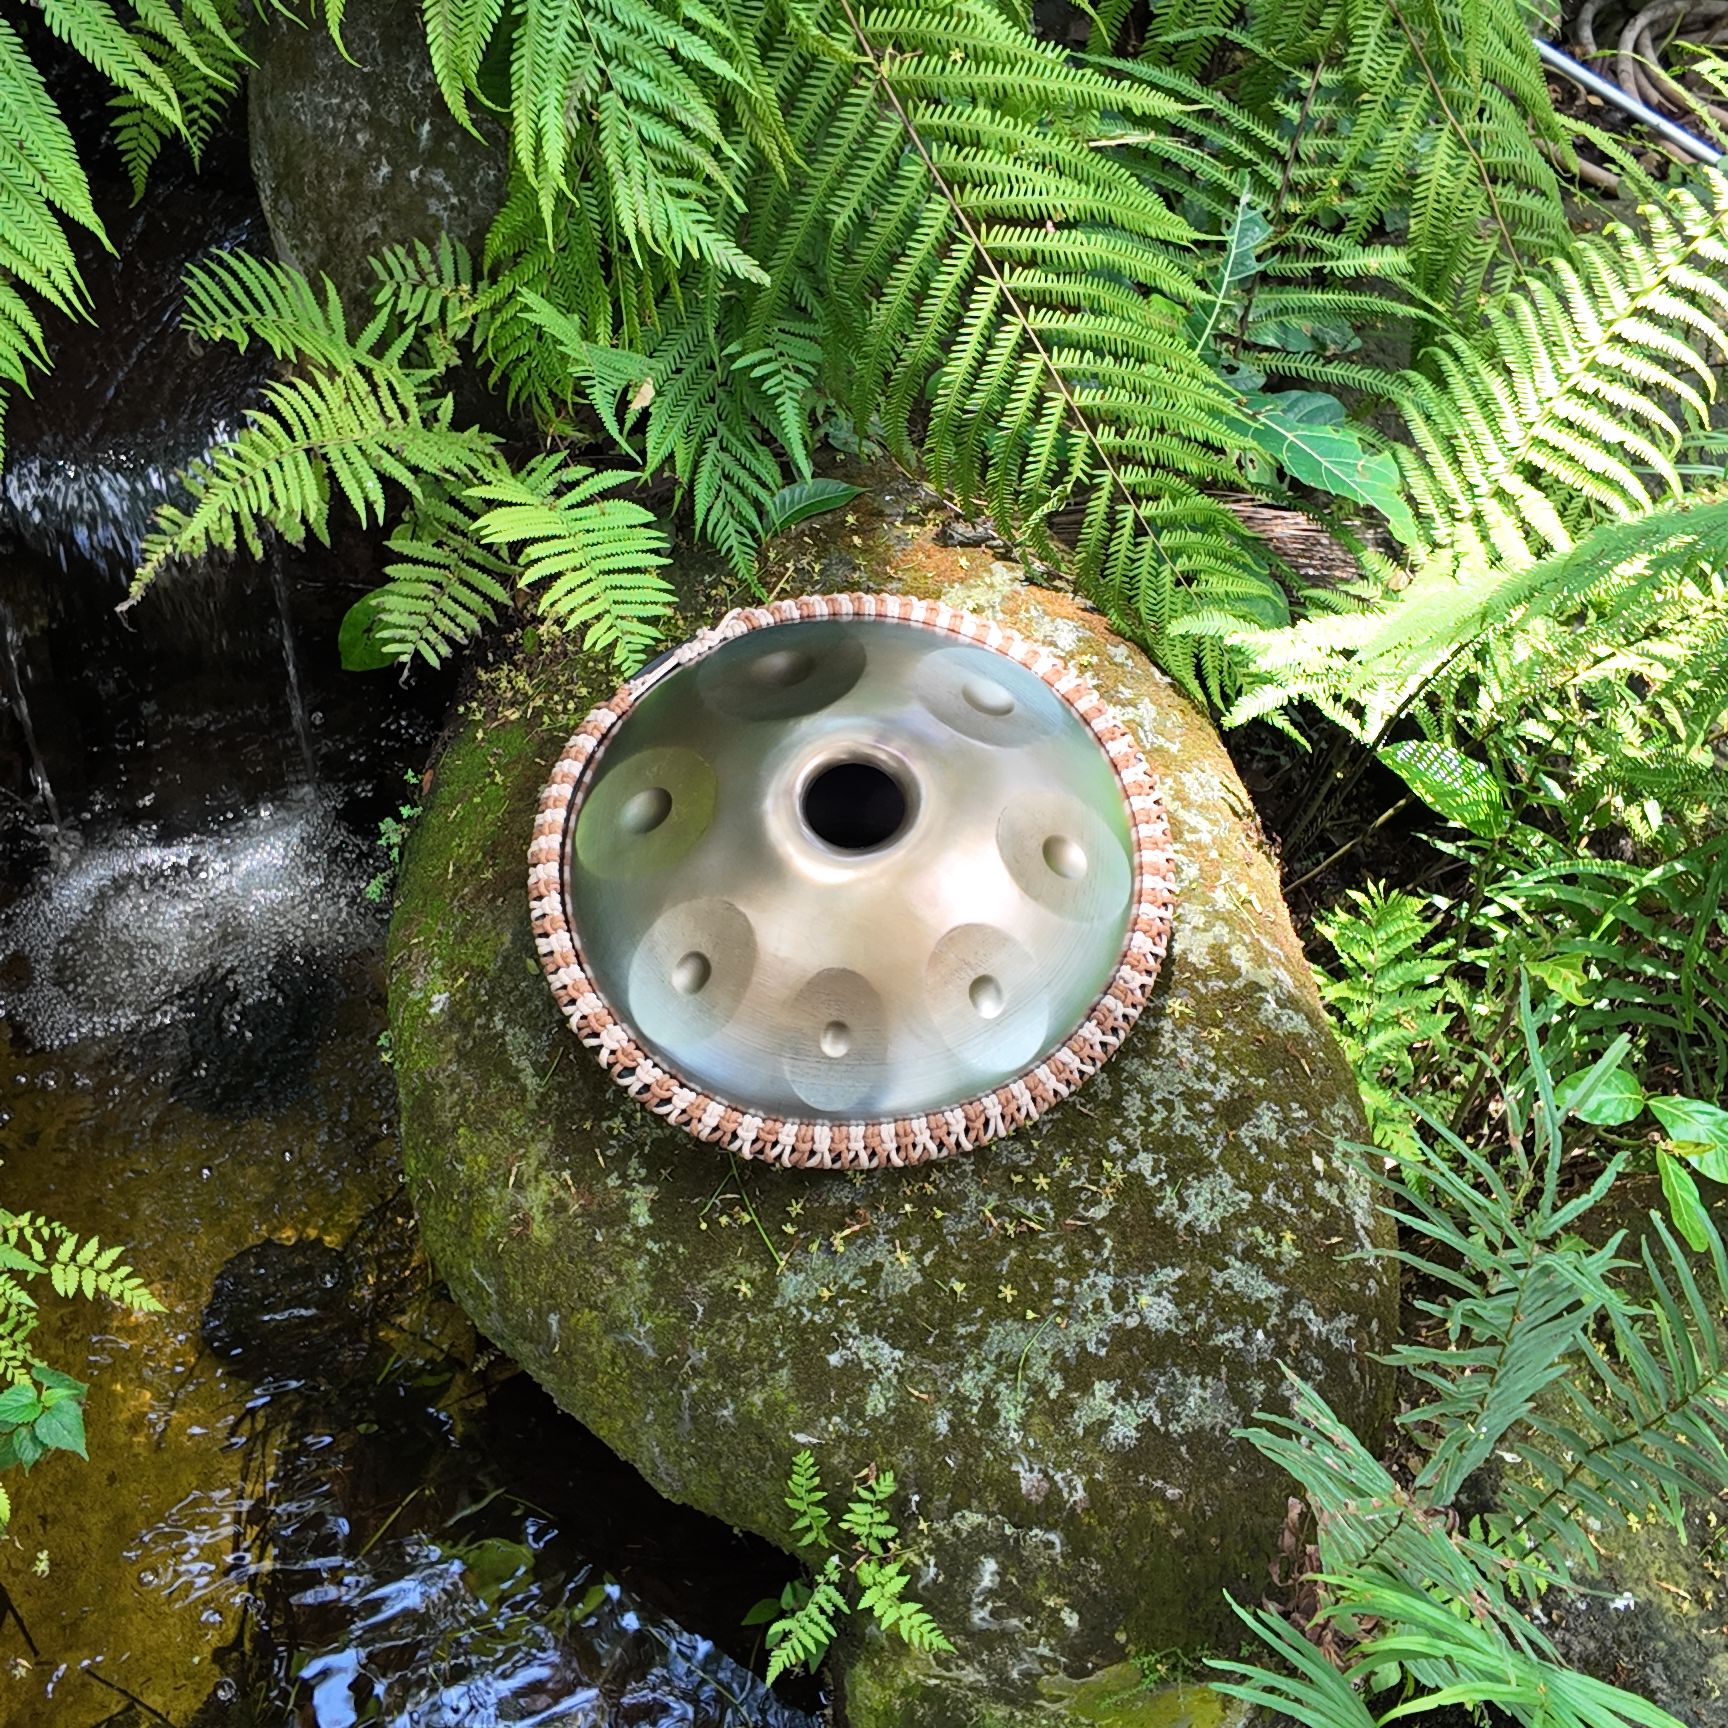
x: 852, y: 880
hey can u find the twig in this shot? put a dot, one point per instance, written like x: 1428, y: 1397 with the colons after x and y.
x: 1020, y: 1369
x: 1349, y: 845
x: 744, y: 1195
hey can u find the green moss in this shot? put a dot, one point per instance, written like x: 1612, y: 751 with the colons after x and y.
x: 1051, y: 1340
x: 889, y: 1687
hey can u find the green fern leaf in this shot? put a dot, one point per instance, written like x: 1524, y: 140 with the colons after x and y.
x: 802, y: 1637
x: 805, y: 1499
x: 92, y: 30
x: 598, y: 557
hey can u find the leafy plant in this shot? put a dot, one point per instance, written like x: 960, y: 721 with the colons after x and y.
x: 1602, y: 1378
x: 369, y: 411
x: 1386, y: 999
x: 1608, y: 1095
x: 172, y: 69
x: 42, y: 1409
x: 392, y: 831
x: 1428, y: 117
x: 803, y: 1622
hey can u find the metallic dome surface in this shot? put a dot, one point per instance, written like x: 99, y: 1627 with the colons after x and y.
x: 822, y: 878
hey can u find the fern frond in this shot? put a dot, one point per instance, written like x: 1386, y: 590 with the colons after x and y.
x: 95, y: 33
x: 31, y: 1245
x: 598, y: 557
x: 866, y: 1519
x: 987, y: 243
x: 443, y: 586
x: 1434, y: 107
x: 653, y: 82
x: 802, y: 1636
x: 235, y: 297
x: 1386, y: 999
x: 458, y: 33
x: 1582, y: 390
x: 882, y: 1585
x: 806, y: 1501
x: 359, y: 420
x: 345, y: 433
x: 712, y: 424
x: 162, y: 66
x: 38, y: 145
x: 199, y: 47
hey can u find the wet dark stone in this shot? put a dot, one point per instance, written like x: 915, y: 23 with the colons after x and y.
x: 285, y: 1310
x: 131, y: 399
x: 353, y: 155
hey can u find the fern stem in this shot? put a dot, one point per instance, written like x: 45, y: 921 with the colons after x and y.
x: 1483, y: 1061
x: 1349, y: 846
x: 1286, y: 175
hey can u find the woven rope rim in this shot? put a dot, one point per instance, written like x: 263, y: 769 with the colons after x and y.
x: 802, y: 1142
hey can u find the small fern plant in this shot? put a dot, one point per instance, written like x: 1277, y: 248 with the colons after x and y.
x: 1387, y: 1000
x: 804, y: 1620
x: 367, y: 420
x: 41, y: 1409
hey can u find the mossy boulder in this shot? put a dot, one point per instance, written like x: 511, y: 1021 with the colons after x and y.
x: 355, y: 153
x: 1051, y: 1341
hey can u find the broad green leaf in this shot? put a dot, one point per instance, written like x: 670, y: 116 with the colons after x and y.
x: 1248, y: 231
x: 1303, y: 335
x: 1310, y: 407
x: 1684, y: 1206
x: 25, y: 1444
x: 804, y: 499
x: 20, y: 1404
x: 1330, y: 454
x: 1609, y: 1101
x: 62, y: 1427
x: 1700, y: 1131
x: 1692, y: 1119
x: 52, y: 1377
x: 1447, y: 780
x: 1564, y: 975
x: 356, y: 639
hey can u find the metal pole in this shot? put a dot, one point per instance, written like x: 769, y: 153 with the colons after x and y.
x: 1609, y: 91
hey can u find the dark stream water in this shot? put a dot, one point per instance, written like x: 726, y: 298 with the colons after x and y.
x: 314, y: 1495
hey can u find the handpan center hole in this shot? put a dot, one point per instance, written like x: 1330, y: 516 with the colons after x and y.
x: 855, y: 806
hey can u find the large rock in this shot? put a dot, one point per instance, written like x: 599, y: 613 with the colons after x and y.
x: 353, y: 155
x: 1051, y: 1341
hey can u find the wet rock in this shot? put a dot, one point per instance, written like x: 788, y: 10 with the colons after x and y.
x: 1652, y: 1623
x: 1050, y: 1340
x: 284, y: 1310
x: 94, y: 449
x: 353, y: 155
